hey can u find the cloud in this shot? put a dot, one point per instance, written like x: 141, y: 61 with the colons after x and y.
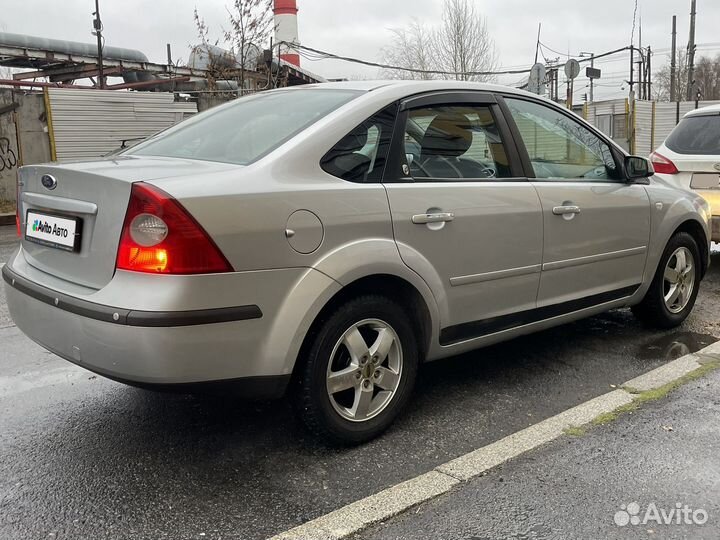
x: 360, y: 28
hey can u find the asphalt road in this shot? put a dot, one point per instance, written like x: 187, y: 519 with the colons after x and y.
x: 83, y: 457
x: 614, y: 482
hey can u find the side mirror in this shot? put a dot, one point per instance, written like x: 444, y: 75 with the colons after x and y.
x: 637, y: 168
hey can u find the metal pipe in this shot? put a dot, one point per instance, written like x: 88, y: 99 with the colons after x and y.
x: 40, y: 84
x: 143, y: 84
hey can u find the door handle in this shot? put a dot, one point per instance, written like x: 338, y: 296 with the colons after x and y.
x: 563, y: 210
x: 420, y: 219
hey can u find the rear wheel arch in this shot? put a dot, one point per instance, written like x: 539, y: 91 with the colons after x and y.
x: 695, y: 229
x: 390, y: 286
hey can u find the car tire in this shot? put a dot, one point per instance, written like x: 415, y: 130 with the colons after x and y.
x: 346, y: 394
x: 658, y: 308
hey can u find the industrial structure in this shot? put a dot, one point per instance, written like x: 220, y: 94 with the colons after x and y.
x: 74, y: 100
x: 61, y: 63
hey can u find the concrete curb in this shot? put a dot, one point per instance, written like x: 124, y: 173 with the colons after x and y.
x: 674, y: 370
x: 7, y: 219
x: 355, y: 517
x: 475, y: 463
x: 359, y: 515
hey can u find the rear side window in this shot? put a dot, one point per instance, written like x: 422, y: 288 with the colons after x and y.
x: 696, y: 135
x: 246, y: 129
x: 361, y: 155
x: 454, y: 142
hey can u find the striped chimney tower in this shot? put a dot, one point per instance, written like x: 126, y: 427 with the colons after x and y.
x: 286, y: 29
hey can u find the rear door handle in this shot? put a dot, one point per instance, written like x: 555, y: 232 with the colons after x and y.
x: 420, y: 219
x: 563, y: 210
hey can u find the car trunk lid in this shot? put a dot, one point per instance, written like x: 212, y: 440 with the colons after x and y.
x: 95, y: 195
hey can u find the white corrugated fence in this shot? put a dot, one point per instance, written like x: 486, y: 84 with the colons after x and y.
x: 645, y: 127
x: 92, y: 123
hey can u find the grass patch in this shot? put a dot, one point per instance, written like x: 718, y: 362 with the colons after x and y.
x: 575, y: 431
x: 7, y: 207
x: 647, y: 396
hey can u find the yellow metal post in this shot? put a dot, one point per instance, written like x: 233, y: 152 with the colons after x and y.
x: 51, y: 131
x: 652, y: 129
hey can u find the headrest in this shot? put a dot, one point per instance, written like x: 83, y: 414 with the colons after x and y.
x: 448, y: 135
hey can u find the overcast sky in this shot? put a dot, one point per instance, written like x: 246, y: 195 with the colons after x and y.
x: 360, y: 28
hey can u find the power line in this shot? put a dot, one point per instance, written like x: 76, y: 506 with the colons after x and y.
x: 558, y: 52
x: 322, y: 55
x: 316, y: 54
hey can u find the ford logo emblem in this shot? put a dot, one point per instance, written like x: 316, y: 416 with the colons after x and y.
x: 48, y: 181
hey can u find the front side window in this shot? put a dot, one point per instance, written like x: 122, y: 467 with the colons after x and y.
x: 454, y: 142
x: 696, y: 135
x: 560, y: 147
x: 361, y: 155
x: 244, y: 130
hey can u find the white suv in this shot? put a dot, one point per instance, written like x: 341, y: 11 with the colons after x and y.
x: 690, y: 158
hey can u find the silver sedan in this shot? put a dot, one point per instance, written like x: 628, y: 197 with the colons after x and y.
x: 324, y: 241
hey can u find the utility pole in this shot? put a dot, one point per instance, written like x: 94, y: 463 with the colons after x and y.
x: 673, y: 59
x: 592, y: 81
x: 691, y: 53
x: 537, y: 43
x: 648, y: 73
x: 592, y: 65
x: 632, y: 67
x: 97, y: 24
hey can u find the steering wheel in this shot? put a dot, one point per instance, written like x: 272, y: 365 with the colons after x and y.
x: 416, y: 163
x: 488, y: 172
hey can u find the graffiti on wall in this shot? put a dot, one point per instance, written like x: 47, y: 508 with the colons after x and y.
x: 8, y: 159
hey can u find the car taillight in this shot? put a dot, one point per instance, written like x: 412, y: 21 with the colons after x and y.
x: 160, y: 236
x: 662, y: 165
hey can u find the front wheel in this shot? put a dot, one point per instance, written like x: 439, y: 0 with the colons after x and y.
x: 359, y: 371
x: 673, y: 291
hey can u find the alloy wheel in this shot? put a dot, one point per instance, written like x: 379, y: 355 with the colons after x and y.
x: 679, y: 280
x: 364, y: 370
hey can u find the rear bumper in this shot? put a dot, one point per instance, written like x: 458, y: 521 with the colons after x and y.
x: 163, y: 350
x: 715, y: 226
x: 176, y: 340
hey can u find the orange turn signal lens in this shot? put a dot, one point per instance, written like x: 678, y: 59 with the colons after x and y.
x: 147, y: 259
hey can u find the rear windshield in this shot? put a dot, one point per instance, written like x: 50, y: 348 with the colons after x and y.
x: 246, y: 129
x: 696, y: 135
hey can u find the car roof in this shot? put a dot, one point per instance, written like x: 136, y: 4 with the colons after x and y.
x: 416, y: 86
x: 704, y: 111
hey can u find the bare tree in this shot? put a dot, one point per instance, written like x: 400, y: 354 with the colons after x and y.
x: 411, y: 47
x: 209, y: 54
x: 707, y: 78
x: 661, y: 82
x: 250, y: 24
x: 460, y: 44
x: 463, y: 43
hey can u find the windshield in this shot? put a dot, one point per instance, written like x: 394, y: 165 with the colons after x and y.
x: 247, y: 129
x: 696, y: 135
